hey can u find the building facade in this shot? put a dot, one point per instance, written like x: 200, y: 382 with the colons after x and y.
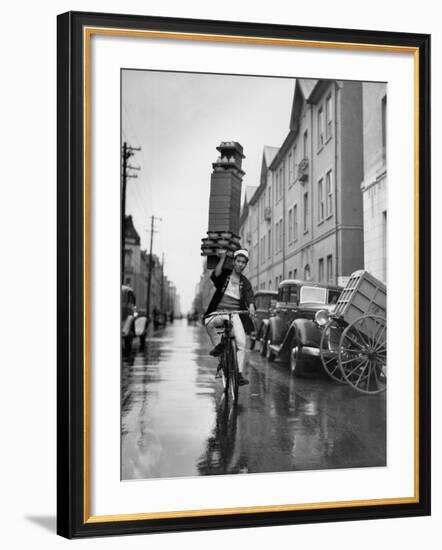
x: 305, y: 218
x: 374, y: 184
x: 163, y: 294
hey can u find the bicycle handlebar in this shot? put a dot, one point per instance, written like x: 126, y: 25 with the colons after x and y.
x: 225, y: 313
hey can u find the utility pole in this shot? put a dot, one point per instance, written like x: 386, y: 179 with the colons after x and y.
x: 149, y: 274
x: 162, y: 283
x: 126, y: 154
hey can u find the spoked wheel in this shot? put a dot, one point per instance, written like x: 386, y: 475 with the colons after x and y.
x: 224, y: 374
x: 362, y: 354
x: 329, y: 347
x: 233, y: 371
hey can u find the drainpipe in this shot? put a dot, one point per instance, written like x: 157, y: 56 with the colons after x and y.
x: 283, y: 219
x: 312, y: 202
x: 258, y: 247
x: 335, y: 180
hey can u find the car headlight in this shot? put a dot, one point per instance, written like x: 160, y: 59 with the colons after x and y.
x: 322, y: 316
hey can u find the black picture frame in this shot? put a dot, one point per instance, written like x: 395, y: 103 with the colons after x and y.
x: 72, y: 507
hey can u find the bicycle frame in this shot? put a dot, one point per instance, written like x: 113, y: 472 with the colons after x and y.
x: 228, y: 359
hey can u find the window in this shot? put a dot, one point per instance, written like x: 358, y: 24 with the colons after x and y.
x: 290, y: 169
x: 329, y: 268
x: 321, y: 269
x: 328, y: 117
x: 277, y: 188
x: 290, y: 274
x: 290, y: 225
x: 276, y: 237
x: 320, y: 127
x: 270, y: 285
x: 313, y: 294
x: 305, y: 145
x: 128, y: 258
x: 294, y: 164
x: 384, y: 127
x: 280, y: 234
x: 281, y: 182
x: 276, y: 282
x: 321, y: 205
x: 270, y: 195
x: 264, y: 249
x: 295, y: 273
x: 295, y: 222
x: 333, y: 296
x: 305, y: 211
x: 269, y: 244
x: 329, y: 192
x: 307, y: 273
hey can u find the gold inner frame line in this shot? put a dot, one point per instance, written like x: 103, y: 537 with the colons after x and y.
x: 87, y: 33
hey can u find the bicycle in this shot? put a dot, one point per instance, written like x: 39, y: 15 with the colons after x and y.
x: 228, y: 358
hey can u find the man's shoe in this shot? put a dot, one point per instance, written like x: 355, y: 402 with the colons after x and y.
x: 217, y: 350
x: 241, y: 380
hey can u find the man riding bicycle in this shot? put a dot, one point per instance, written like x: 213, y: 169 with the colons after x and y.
x: 233, y: 292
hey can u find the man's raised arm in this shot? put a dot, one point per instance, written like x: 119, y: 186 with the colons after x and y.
x: 219, y: 266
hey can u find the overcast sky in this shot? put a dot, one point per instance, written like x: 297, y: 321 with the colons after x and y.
x: 178, y: 119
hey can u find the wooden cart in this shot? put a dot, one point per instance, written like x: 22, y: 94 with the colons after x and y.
x: 353, y: 346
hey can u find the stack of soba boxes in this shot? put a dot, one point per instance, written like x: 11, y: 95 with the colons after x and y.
x: 225, y: 204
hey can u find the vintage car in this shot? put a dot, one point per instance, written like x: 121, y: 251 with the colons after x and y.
x: 265, y: 300
x: 292, y: 333
x: 128, y: 316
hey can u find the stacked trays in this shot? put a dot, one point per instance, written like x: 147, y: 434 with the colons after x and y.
x: 216, y: 241
x: 224, y: 204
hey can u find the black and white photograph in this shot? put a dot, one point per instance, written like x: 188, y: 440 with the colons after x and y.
x: 253, y: 274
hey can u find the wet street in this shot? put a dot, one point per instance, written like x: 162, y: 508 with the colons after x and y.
x: 176, y: 422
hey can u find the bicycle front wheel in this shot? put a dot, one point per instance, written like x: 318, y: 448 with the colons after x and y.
x: 233, y: 371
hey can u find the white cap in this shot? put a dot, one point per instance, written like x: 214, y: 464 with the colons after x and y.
x: 241, y: 252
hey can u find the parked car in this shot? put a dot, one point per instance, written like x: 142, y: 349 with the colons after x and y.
x: 292, y: 334
x: 128, y: 316
x: 265, y: 300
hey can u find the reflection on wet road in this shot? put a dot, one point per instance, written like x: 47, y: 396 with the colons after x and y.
x: 175, y: 421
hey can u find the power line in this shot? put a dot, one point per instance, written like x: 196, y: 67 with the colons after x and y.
x: 127, y: 152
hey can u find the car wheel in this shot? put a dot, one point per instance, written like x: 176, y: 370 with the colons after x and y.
x: 263, y: 346
x: 270, y: 354
x: 297, y: 365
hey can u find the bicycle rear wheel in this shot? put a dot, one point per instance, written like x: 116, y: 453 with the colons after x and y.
x: 225, y: 371
x: 233, y: 371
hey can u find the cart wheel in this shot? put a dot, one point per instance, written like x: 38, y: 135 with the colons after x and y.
x: 329, y: 347
x: 362, y: 354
